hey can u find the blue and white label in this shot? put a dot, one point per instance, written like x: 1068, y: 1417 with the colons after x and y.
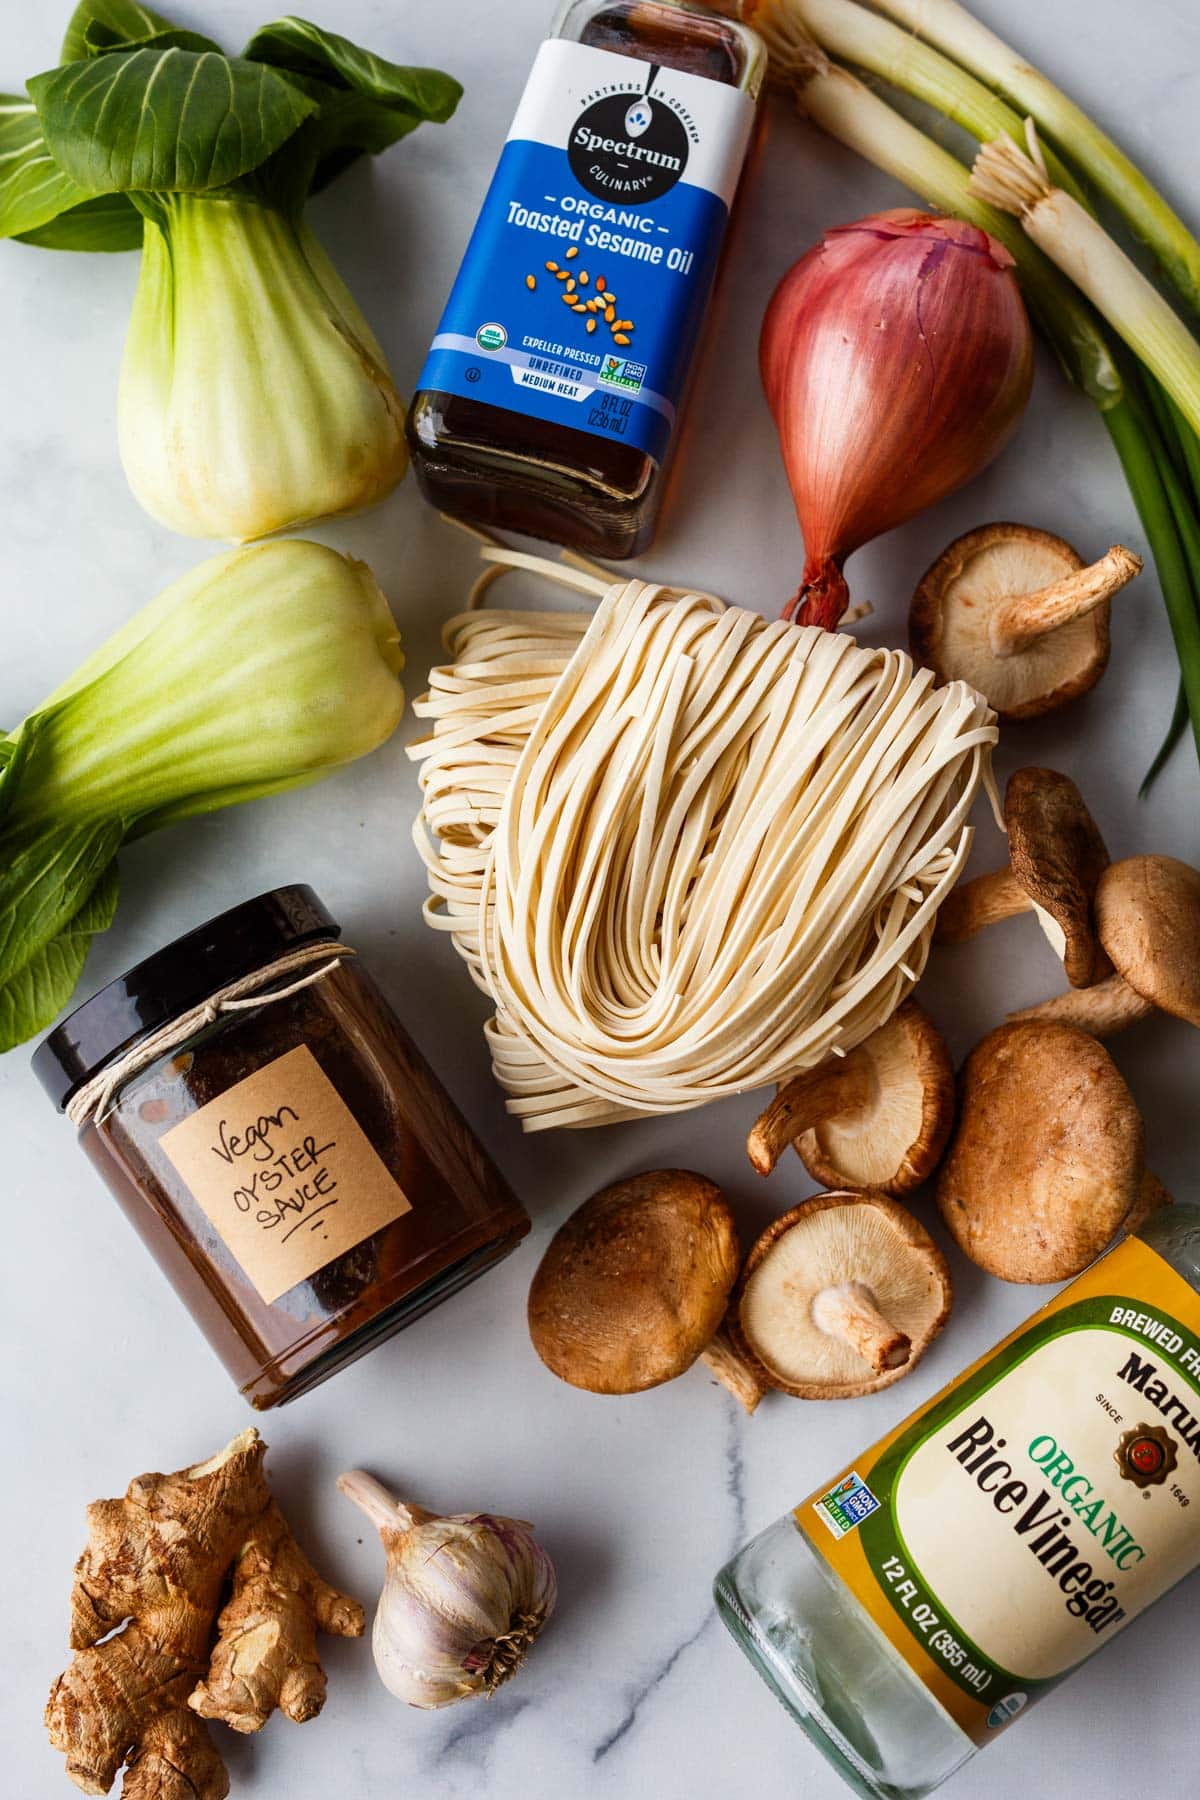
x: 583, y: 289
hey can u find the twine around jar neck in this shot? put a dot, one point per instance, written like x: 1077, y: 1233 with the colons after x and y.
x: 95, y: 1096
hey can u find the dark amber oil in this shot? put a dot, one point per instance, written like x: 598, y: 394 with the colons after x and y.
x: 516, y: 473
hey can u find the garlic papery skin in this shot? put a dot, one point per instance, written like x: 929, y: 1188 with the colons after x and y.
x: 464, y: 1597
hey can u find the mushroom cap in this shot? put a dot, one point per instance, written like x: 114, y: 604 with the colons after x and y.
x: 1148, y: 915
x: 1058, y: 857
x: 635, y: 1283
x: 1048, y: 1157
x: 866, y: 1239
x: 949, y: 620
x: 894, y: 1142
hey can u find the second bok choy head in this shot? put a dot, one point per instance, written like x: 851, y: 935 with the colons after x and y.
x: 253, y: 395
x: 263, y: 669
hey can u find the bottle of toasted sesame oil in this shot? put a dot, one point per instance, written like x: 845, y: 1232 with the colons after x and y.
x: 910, y: 1610
x: 550, y: 396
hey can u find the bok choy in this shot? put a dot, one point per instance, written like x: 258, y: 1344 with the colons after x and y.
x: 253, y: 394
x: 260, y: 670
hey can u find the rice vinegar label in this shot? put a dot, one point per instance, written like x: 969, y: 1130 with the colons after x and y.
x: 1023, y: 1517
x: 583, y: 289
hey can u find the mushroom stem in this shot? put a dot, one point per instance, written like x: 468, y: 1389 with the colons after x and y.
x: 733, y: 1371
x: 1151, y: 1196
x: 849, y: 1312
x: 976, y: 904
x: 1102, y: 1010
x: 841, y: 1084
x: 1020, y: 622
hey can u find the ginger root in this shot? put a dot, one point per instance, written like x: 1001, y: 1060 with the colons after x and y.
x: 154, y: 1573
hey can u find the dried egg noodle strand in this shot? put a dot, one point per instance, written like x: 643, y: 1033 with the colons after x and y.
x: 685, y: 850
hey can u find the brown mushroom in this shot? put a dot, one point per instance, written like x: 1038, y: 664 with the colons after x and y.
x: 633, y: 1287
x: 1056, y: 859
x: 1147, y: 912
x: 1013, y: 611
x: 877, y: 1117
x: 841, y: 1296
x: 1047, y: 1163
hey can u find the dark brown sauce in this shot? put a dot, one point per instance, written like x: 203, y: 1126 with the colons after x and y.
x: 515, y: 473
x: 464, y: 1217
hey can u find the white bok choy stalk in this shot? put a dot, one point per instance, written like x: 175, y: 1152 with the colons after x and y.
x: 254, y: 395
x: 263, y: 669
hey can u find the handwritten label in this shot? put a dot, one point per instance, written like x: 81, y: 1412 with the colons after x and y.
x: 284, y: 1171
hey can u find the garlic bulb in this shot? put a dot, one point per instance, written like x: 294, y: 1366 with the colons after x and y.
x: 463, y: 1599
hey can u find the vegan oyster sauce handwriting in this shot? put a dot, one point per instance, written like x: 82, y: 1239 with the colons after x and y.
x: 280, y: 1171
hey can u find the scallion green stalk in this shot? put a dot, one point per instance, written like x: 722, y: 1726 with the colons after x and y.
x: 951, y: 28
x: 1170, y: 526
x: 1006, y: 178
x: 858, y: 36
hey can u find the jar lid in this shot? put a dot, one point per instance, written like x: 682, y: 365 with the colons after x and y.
x: 179, y: 976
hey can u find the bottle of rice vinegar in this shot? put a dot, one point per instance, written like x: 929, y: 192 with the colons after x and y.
x: 915, y: 1606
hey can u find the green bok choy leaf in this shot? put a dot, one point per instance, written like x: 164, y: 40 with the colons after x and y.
x: 253, y: 395
x: 260, y: 670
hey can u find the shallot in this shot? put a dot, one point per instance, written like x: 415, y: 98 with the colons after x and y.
x: 897, y: 358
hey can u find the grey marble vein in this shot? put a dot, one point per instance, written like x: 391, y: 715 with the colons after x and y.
x: 648, y: 1687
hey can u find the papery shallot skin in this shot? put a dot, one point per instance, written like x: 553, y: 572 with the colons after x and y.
x: 897, y: 359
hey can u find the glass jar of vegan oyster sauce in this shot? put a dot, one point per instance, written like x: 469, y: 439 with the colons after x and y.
x: 279, y: 1143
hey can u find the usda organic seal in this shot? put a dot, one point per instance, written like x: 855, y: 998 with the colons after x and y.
x: 491, y: 337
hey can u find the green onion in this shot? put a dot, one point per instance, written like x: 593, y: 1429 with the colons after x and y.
x: 848, y: 30
x: 1170, y: 525
x: 848, y: 110
x: 1005, y: 177
x: 951, y: 28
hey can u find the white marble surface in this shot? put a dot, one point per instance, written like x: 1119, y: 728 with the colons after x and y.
x: 635, y: 1692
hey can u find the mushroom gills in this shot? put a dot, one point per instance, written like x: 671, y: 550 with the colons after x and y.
x: 845, y: 1294
x: 1014, y: 611
x: 878, y: 1152
x: 876, y: 1118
